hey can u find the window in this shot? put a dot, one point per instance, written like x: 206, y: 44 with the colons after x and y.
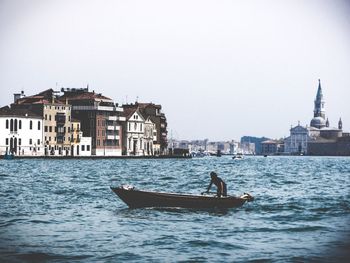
x: 45, y: 128
x: 20, y: 124
x: 135, y: 126
x: 30, y: 141
x: 38, y: 141
x: 98, y: 142
x: 68, y: 118
x: 15, y: 125
x: 83, y: 148
x: 31, y: 125
x: 19, y: 141
x: 50, y: 128
x: 88, y: 147
x: 50, y: 115
x: 117, y: 142
x: 129, y: 126
x: 45, y: 116
x: 11, y: 125
x: 7, y: 141
x: 7, y: 124
x: 140, y: 126
x: 68, y: 129
x: 39, y: 125
x: 50, y: 139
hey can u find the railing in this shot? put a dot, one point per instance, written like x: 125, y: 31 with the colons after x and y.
x: 116, y: 118
x: 112, y: 128
x: 112, y: 137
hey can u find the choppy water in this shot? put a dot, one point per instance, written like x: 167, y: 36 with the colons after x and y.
x: 64, y: 211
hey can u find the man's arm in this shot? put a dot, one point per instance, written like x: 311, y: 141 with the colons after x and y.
x: 209, y: 186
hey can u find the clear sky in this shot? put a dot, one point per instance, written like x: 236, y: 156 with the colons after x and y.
x: 220, y: 69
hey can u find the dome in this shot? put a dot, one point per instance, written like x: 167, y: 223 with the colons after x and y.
x: 318, y: 122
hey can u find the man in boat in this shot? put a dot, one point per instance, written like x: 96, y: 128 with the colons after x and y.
x: 219, y: 183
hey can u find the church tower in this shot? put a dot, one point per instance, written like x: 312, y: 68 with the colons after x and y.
x: 319, y: 110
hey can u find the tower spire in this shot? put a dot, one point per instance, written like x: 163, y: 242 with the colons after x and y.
x: 340, y: 124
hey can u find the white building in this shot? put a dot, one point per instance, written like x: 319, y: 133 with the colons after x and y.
x: 83, y: 148
x: 296, y: 143
x: 21, y: 132
x: 134, y: 131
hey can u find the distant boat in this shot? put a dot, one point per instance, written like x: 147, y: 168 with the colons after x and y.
x: 238, y: 156
x: 138, y: 199
x: 199, y: 154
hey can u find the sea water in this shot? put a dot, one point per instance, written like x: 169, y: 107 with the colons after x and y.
x: 64, y: 211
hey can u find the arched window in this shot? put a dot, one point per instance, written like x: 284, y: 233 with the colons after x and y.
x: 7, y: 124
x: 31, y: 125
x: 15, y: 125
x: 11, y: 125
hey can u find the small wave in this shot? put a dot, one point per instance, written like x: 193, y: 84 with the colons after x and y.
x: 213, y: 244
x: 43, y: 257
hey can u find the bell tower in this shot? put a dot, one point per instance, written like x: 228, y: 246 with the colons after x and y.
x: 319, y: 109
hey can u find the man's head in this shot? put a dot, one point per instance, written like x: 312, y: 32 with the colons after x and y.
x: 213, y: 175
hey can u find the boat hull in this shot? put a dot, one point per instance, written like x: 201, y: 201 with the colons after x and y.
x: 137, y: 199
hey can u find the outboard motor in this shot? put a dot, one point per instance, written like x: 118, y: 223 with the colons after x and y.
x: 247, y: 197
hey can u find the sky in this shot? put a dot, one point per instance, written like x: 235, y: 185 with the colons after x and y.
x: 220, y: 69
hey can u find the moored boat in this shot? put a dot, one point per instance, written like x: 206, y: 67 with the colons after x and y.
x: 136, y: 199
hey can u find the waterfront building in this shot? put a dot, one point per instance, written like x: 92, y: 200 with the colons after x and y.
x: 80, y: 145
x: 150, y: 136
x: 272, y: 147
x: 154, y: 111
x: 99, y: 118
x: 297, y: 142
x: 256, y: 140
x: 56, y: 116
x: 21, y: 132
x: 134, y: 132
x: 320, y: 138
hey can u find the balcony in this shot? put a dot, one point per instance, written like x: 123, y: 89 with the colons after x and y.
x: 60, y: 119
x: 112, y: 137
x: 116, y: 118
x: 112, y: 128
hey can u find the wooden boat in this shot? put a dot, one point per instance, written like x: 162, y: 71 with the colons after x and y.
x: 137, y: 199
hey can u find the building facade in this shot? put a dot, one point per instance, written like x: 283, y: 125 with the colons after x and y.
x: 154, y: 112
x: 56, y: 119
x: 21, y: 132
x: 100, y: 119
x: 298, y: 140
x: 134, y: 133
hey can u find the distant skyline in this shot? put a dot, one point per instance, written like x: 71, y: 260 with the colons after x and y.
x: 220, y: 69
